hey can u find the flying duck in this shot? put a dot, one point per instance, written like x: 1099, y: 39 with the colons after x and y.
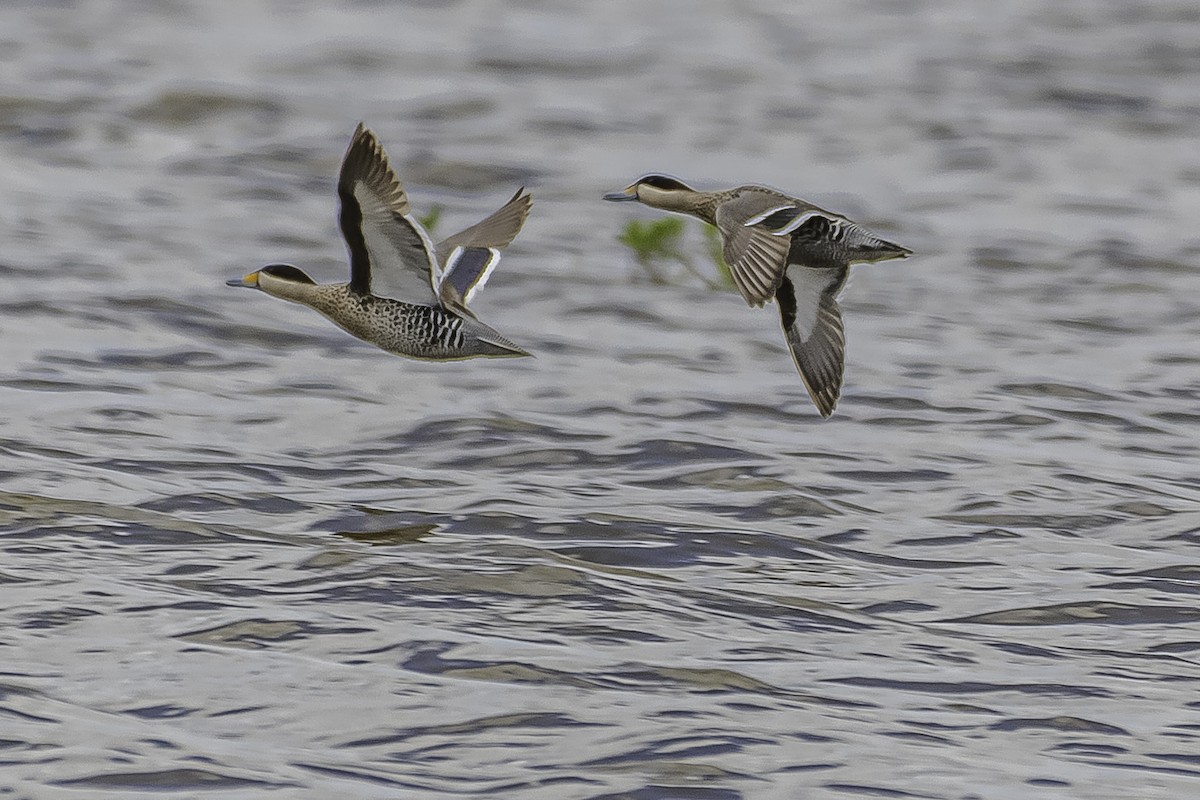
x: 406, y: 295
x: 782, y: 248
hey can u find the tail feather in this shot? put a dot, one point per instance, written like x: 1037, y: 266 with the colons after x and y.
x: 493, y: 344
x: 503, y: 348
x: 875, y: 249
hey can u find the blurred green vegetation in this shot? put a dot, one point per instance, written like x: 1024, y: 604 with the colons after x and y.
x: 430, y: 218
x: 653, y: 243
x: 716, y: 253
x: 658, y: 246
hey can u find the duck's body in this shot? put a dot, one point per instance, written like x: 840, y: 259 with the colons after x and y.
x: 786, y: 249
x: 426, y: 332
x: 405, y: 295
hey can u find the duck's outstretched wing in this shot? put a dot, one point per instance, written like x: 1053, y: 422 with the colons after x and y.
x: 812, y: 325
x: 756, y: 257
x: 496, y: 230
x: 468, y: 258
x: 467, y: 270
x: 390, y: 253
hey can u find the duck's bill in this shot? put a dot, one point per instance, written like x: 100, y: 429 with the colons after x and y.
x: 250, y: 280
x: 626, y: 194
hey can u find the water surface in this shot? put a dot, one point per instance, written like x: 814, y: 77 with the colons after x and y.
x: 245, y: 555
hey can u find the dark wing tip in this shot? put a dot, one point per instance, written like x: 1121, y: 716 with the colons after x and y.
x: 366, y: 161
x: 825, y: 405
x: 363, y: 142
x: 526, y: 197
x: 820, y: 359
x: 823, y: 395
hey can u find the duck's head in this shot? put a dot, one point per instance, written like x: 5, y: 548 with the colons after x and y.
x: 281, y: 280
x: 660, y: 191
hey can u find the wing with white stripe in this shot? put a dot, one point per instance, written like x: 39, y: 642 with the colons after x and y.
x: 466, y: 259
x: 496, y: 230
x: 467, y: 270
x: 812, y: 325
x: 390, y: 253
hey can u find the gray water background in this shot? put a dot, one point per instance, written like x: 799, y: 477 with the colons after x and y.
x: 245, y: 556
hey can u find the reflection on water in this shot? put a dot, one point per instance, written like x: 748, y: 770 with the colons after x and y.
x: 244, y: 553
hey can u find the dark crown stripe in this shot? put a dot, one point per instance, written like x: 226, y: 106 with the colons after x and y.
x: 287, y: 272
x: 664, y: 182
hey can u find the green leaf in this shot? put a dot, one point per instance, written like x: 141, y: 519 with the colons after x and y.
x: 652, y: 241
x: 716, y: 253
x: 658, y: 245
x: 430, y: 219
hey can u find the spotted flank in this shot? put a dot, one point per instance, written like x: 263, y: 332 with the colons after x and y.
x: 406, y: 294
x: 784, y: 249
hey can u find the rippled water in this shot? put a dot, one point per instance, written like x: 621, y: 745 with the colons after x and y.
x: 245, y: 555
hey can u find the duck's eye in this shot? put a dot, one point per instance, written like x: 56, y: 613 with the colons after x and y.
x: 665, y: 182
